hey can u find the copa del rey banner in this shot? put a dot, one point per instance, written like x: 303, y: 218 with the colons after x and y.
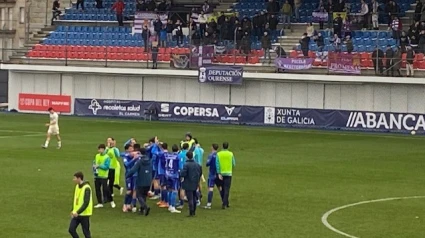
x: 254, y: 115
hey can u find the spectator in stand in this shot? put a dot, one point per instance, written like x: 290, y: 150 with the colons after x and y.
x: 246, y: 25
x: 193, y: 26
x: 220, y: 23
x: 297, y: 6
x: 119, y: 9
x: 413, y: 35
x: 99, y: 4
x: 320, y: 5
x: 375, y: 14
x: 206, y: 8
x: 329, y: 8
x: 273, y: 22
x: 266, y: 44
x: 305, y: 44
x: 179, y: 32
x: 310, y: 30
x: 239, y: 35
x: 421, y: 44
x: 196, y: 38
x: 231, y: 28
x: 141, y: 6
x: 262, y: 21
x: 377, y: 57
x: 320, y: 41
x: 397, y: 63
x: 336, y: 42
x: 339, y: 6
x: 162, y: 6
x: 255, y: 26
x: 80, y: 3
x: 349, y: 43
x: 337, y: 22
x: 206, y: 40
x: 418, y: 10
x: 395, y: 27
x: 202, y: 20
x: 404, y: 41
x: 365, y: 13
x: 154, y: 51
x: 224, y: 30
x: 157, y: 25
x: 212, y: 27
x: 280, y: 52
x: 392, y: 10
x: 145, y: 37
x: 321, y: 23
x: 423, y: 13
x: 56, y: 10
x: 287, y: 14
x: 151, y: 6
x: 273, y: 7
x: 246, y: 44
x: 410, y: 56
x: 389, y: 55
x: 347, y: 27
x: 170, y: 28
x: 233, y: 18
x: 163, y: 36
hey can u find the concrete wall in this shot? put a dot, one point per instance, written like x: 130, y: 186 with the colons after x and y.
x: 348, y: 96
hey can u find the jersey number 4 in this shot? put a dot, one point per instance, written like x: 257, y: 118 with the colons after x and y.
x: 170, y: 164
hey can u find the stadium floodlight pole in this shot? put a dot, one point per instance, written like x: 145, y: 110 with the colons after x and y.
x: 235, y: 46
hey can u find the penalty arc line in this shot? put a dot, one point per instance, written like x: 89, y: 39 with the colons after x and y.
x: 327, y: 214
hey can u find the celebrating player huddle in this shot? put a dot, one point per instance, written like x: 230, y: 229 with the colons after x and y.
x: 154, y: 170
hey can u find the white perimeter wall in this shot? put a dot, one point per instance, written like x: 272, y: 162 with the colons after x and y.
x: 356, y: 96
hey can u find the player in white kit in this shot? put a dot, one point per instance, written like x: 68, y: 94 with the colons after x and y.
x: 53, y: 129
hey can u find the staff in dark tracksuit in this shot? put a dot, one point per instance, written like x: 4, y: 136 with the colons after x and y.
x: 225, y: 162
x: 82, y: 206
x: 143, y: 168
x: 191, y: 175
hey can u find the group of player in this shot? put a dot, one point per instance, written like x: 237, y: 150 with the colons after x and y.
x: 166, y: 166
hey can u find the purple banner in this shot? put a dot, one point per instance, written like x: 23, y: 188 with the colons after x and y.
x: 254, y: 115
x: 110, y: 107
x: 201, y: 56
x: 344, y: 63
x: 293, y: 63
x: 221, y: 74
x: 320, y: 16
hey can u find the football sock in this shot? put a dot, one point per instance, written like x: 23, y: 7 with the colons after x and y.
x: 156, y: 191
x: 46, y: 144
x: 210, y: 196
x: 59, y: 143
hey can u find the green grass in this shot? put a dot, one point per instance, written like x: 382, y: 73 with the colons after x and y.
x: 285, y: 180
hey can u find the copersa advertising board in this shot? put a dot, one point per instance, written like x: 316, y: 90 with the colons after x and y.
x: 198, y: 112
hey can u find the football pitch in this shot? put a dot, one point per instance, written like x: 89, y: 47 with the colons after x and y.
x: 284, y: 182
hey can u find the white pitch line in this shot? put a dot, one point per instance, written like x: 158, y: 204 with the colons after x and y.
x: 17, y: 131
x: 26, y: 135
x: 327, y: 214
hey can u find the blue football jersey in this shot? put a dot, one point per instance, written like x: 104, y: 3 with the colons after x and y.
x: 172, y: 165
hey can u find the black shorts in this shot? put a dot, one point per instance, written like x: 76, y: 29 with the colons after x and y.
x: 218, y: 182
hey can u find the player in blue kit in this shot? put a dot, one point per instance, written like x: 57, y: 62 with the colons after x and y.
x: 182, y: 157
x: 161, y: 175
x: 173, y: 165
x: 213, y: 180
x: 129, y: 159
x: 152, y: 151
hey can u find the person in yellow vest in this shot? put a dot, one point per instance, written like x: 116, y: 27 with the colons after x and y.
x: 190, y: 141
x: 115, y: 168
x: 225, y: 162
x: 101, y: 166
x: 82, y: 207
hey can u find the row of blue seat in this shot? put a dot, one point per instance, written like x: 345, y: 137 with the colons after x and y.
x: 96, y: 42
x: 93, y: 10
x: 94, y: 29
x: 357, y: 48
x: 97, y: 36
x: 90, y: 17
